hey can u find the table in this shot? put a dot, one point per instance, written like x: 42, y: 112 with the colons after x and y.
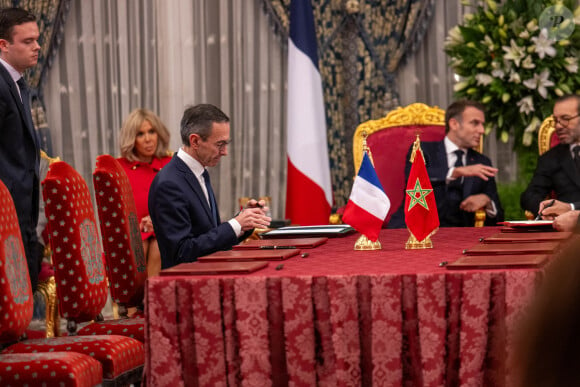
x: 341, y: 317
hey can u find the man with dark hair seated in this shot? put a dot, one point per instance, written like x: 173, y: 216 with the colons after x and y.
x: 462, y: 178
x: 558, y: 170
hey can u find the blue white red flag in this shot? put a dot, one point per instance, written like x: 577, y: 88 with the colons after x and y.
x: 368, y: 204
x: 309, y: 190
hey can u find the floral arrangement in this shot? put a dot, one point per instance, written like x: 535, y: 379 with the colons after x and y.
x: 503, y: 57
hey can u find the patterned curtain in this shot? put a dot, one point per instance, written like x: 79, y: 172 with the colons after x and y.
x: 51, y: 15
x: 361, y: 45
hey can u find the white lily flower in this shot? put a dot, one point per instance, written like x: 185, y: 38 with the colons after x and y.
x: 524, y: 34
x: 532, y: 25
x: 528, y: 63
x: 543, y: 45
x: 530, y: 129
x: 498, y: 73
x: 540, y: 82
x: 455, y: 36
x: 514, y: 52
x: 515, y: 78
x: 487, y: 42
x: 483, y: 79
x: 571, y: 65
x: 526, y: 104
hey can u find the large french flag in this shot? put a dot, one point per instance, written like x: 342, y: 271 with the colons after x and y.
x: 309, y: 191
x: 368, y: 204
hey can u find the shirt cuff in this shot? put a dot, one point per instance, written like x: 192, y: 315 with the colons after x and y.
x: 236, y: 227
x: 572, y: 207
x: 448, y: 178
x: 491, y: 209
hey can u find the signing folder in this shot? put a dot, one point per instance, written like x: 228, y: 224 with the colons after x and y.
x: 499, y: 262
x: 250, y: 255
x: 514, y: 248
x: 285, y: 243
x: 330, y: 231
x: 210, y: 268
x: 518, y: 237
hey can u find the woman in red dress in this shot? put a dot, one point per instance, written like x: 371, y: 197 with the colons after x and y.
x: 144, y: 141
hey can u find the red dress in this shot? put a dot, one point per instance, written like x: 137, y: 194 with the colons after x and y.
x: 141, y: 176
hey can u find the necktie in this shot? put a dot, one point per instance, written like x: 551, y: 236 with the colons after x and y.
x: 459, y: 161
x: 25, y: 95
x: 576, y: 151
x: 454, y: 187
x: 211, y: 196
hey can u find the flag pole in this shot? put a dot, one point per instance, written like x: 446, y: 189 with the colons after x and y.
x: 364, y: 243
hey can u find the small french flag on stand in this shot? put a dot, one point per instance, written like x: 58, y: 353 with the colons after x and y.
x: 368, y: 204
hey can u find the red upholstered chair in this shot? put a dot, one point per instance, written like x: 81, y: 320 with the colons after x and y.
x: 124, y: 257
x: 389, y: 139
x: 77, y: 255
x: 64, y: 361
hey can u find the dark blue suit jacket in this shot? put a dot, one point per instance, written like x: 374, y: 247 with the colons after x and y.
x: 436, y: 162
x: 557, y: 173
x: 19, y: 164
x: 182, y: 217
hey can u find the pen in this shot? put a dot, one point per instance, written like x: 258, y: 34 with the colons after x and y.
x: 276, y: 247
x: 546, y: 206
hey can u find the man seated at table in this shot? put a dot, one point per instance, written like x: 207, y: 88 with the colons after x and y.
x: 558, y: 170
x: 182, y: 204
x: 462, y: 178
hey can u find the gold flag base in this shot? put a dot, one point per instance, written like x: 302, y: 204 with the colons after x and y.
x: 364, y: 243
x: 413, y: 243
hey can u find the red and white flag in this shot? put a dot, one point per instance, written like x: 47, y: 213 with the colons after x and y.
x: 309, y: 190
x: 420, y: 207
x: 368, y: 204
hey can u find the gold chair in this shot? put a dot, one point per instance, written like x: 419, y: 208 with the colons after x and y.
x: 389, y: 139
x: 547, y: 137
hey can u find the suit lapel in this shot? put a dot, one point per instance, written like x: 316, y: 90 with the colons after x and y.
x: 568, y: 164
x: 195, y: 186
x: 469, y: 180
x: 16, y: 97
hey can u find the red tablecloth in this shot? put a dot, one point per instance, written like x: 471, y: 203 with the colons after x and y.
x: 340, y: 317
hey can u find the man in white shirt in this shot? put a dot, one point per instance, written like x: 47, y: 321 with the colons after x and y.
x: 19, y: 145
x: 558, y: 170
x: 462, y: 178
x: 182, y: 204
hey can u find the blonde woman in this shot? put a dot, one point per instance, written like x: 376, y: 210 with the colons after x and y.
x: 144, y: 143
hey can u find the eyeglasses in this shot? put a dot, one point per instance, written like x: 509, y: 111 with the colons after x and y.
x: 565, y: 120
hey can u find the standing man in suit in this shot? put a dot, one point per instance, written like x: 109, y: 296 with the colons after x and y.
x: 182, y: 204
x: 19, y: 145
x: 558, y: 170
x: 462, y: 178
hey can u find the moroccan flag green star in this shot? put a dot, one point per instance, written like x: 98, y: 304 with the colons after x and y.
x: 418, y: 195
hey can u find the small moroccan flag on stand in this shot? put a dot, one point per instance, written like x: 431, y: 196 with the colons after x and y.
x: 367, y: 206
x: 420, y: 207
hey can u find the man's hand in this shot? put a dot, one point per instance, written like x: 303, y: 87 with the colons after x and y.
x: 475, y: 202
x: 146, y: 225
x: 567, y: 221
x: 551, y: 212
x: 479, y: 170
x: 250, y: 218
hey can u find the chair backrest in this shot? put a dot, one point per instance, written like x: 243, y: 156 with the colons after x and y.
x: 547, y: 137
x: 389, y: 139
x: 15, y: 289
x: 76, y: 248
x: 124, y: 257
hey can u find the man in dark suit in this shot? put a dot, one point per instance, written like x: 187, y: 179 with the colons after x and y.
x: 182, y: 205
x: 19, y: 145
x: 558, y: 170
x: 462, y: 179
